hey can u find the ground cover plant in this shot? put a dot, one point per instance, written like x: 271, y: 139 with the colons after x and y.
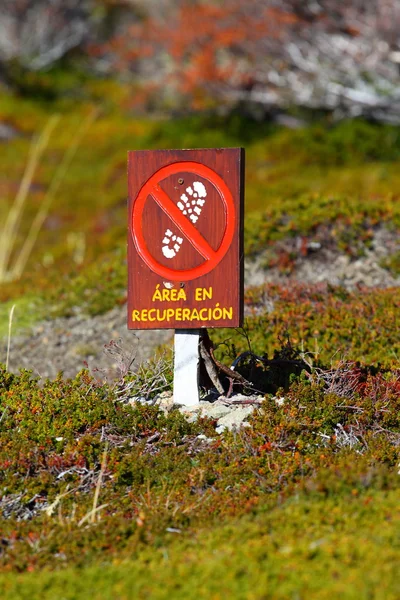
x: 88, y: 478
x: 322, y: 321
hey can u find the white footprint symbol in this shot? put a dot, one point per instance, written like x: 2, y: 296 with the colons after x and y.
x: 191, y: 204
x: 169, y: 237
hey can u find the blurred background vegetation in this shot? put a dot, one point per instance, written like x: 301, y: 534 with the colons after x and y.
x: 311, y: 89
x: 183, y: 55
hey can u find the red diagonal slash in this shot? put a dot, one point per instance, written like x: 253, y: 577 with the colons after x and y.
x: 185, y: 226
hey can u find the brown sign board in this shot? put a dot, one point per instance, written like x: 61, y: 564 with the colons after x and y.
x: 185, y: 238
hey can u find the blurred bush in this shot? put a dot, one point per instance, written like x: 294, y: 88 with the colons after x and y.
x: 263, y: 57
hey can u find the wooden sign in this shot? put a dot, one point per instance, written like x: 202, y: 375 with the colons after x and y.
x: 185, y: 238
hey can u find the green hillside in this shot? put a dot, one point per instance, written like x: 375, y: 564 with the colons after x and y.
x: 103, y: 499
x: 333, y: 182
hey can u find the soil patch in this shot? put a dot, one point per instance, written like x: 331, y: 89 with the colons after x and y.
x: 317, y: 260
x: 68, y: 344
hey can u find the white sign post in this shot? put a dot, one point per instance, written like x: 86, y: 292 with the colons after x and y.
x: 186, y: 367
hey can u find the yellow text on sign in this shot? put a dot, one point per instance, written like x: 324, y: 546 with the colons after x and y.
x: 168, y: 295
x: 203, y: 294
x: 216, y: 313
x: 173, y: 295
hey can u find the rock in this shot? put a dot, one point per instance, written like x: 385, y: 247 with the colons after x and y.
x: 165, y: 401
x: 235, y: 417
x: 204, y: 438
x: 279, y: 400
x: 214, y: 410
x: 141, y: 399
x: 242, y: 398
x: 227, y: 412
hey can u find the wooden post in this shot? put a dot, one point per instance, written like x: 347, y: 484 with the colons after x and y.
x: 186, y: 367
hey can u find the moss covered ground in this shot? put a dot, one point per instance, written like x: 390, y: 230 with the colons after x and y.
x: 133, y: 503
x: 308, y: 547
x: 102, y: 499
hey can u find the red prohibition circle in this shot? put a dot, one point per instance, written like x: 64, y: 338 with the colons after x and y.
x: 152, y: 188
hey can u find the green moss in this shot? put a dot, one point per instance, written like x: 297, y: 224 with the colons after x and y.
x: 95, y: 288
x: 28, y: 309
x: 347, y: 142
x: 392, y: 263
x: 306, y: 547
